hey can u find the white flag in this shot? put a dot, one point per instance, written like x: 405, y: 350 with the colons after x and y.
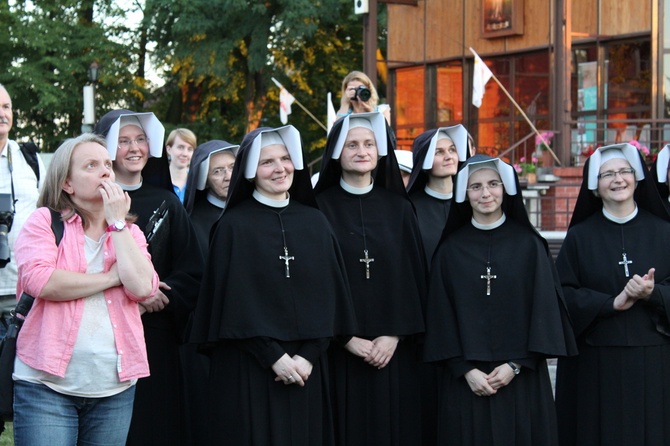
x: 285, y: 101
x: 481, y: 76
x: 332, y: 116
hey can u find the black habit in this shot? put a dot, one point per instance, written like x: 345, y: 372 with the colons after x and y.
x: 159, y: 417
x: 524, y: 320
x: 432, y: 210
x: 377, y: 406
x: 616, y: 391
x: 431, y: 214
x: 204, y: 214
x: 250, y: 314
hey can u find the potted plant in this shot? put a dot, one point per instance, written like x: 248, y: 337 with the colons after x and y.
x: 543, y: 144
x: 527, y: 170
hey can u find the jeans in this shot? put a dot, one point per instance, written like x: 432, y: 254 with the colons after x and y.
x: 45, y: 417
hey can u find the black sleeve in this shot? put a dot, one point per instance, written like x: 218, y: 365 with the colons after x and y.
x: 265, y: 350
x: 459, y: 366
x: 311, y: 350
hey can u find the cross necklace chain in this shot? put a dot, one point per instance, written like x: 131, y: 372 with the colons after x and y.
x: 488, y: 276
x: 367, y: 259
x: 286, y: 257
x: 624, y: 257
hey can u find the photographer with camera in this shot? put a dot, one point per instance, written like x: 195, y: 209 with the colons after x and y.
x: 360, y: 96
x: 19, y: 190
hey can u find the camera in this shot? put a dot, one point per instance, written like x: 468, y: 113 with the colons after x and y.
x: 362, y: 93
x: 6, y: 220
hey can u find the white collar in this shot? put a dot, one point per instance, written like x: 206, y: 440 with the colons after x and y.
x: 620, y: 220
x: 438, y: 195
x: 355, y: 190
x: 270, y: 201
x: 132, y: 187
x: 216, y: 201
x: 489, y: 226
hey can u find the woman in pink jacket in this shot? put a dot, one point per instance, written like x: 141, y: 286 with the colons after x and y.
x: 81, y: 349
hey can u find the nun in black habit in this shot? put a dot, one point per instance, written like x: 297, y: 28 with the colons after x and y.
x: 207, y: 186
x: 659, y: 173
x: 135, y: 143
x: 376, y: 379
x: 274, y: 293
x: 495, y: 312
x: 615, y: 273
x: 437, y: 154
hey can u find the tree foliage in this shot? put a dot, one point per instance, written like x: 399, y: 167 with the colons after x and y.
x: 216, y: 57
x: 44, y: 61
x: 223, y: 54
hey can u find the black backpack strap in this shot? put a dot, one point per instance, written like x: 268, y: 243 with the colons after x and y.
x: 57, y: 225
x: 29, y: 151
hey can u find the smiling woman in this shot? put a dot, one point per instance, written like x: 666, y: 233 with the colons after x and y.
x: 274, y: 175
x: 271, y: 335
x: 135, y: 144
x: 614, y: 270
x: 360, y: 190
x: 476, y: 296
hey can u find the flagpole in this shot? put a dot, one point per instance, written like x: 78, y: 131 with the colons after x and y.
x: 295, y: 101
x: 544, y: 141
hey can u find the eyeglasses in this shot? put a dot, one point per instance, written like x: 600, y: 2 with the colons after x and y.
x: 493, y: 185
x: 140, y: 141
x: 221, y: 171
x: 611, y: 174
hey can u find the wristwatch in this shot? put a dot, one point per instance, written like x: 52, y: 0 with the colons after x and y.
x: 117, y: 226
x: 515, y: 369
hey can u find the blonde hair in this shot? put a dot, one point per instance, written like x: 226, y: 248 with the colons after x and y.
x: 363, y: 78
x: 185, y: 134
x: 52, y: 194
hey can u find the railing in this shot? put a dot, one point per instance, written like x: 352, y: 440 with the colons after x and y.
x: 550, y: 212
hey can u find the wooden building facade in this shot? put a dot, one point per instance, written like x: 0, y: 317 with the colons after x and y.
x: 592, y: 72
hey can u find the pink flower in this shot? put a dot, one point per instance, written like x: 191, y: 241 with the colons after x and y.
x: 644, y: 149
x: 522, y: 159
x: 547, y: 136
x: 517, y: 167
x: 534, y: 160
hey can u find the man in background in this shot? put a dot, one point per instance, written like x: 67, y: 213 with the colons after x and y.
x: 20, y: 181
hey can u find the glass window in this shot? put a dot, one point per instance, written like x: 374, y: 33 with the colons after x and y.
x: 500, y: 124
x: 531, y: 85
x: 495, y: 103
x: 449, y: 105
x: 627, y: 87
x: 409, y: 105
x: 629, y: 77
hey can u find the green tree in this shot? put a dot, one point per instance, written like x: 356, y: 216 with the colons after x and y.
x: 224, y: 53
x: 44, y: 62
x: 217, y: 58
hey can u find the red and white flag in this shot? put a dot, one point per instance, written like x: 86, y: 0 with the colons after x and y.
x: 285, y: 101
x: 482, y: 74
